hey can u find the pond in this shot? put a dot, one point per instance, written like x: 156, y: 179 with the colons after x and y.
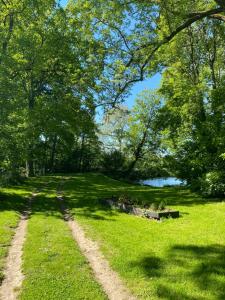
x: 160, y: 182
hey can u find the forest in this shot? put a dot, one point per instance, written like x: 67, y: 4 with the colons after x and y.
x: 63, y: 66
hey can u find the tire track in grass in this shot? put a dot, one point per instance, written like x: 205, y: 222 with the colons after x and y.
x: 53, y: 266
x: 108, y: 279
x: 13, y: 276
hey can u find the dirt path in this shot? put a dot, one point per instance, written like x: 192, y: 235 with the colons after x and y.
x: 109, y: 280
x: 13, y: 276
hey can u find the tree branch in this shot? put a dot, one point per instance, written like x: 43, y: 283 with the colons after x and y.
x: 121, y: 34
x: 218, y: 17
x: 194, y: 17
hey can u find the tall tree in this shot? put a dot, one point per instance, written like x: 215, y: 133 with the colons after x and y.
x: 142, y: 137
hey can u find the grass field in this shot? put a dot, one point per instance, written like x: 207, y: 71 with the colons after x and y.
x: 173, y: 259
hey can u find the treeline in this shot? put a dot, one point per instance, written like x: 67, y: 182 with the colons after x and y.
x: 59, y: 65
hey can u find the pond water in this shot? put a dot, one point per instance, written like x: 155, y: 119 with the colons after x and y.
x: 160, y: 182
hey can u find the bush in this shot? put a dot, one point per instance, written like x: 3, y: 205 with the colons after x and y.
x: 12, y: 176
x: 213, y: 184
x: 113, y: 162
x: 162, y: 205
x: 125, y: 199
x: 154, y: 206
x: 158, y: 206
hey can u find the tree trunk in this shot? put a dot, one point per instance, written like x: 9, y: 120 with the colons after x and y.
x: 52, y: 159
x: 81, y: 153
x: 9, y: 35
x: 30, y: 168
x: 137, y: 152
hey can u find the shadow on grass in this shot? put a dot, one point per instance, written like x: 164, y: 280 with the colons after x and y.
x: 151, y: 266
x: 200, y: 267
x: 12, y: 201
x: 45, y: 202
x: 15, y: 198
x: 46, y: 206
x: 95, y: 186
x: 86, y: 191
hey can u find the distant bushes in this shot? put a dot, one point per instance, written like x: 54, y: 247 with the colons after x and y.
x: 213, y: 184
x: 113, y: 163
x: 12, y: 176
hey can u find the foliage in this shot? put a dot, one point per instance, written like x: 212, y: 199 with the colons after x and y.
x: 47, y: 92
x: 113, y: 129
x: 113, y: 162
x: 191, y: 120
x: 213, y: 184
x: 158, y: 206
x: 125, y: 199
x: 142, y: 136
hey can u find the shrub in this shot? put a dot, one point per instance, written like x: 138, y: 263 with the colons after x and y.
x: 158, y: 206
x: 12, y: 176
x: 162, y: 205
x: 124, y: 198
x: 213, y: 184
x: 154, y: 206
x: 113, y: 162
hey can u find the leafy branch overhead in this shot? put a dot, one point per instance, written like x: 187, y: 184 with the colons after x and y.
x: 139, y: 30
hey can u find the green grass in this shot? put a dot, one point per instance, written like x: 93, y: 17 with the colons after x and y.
x: 175, y: 259
x: 52, y: 263
x: 12, y: 203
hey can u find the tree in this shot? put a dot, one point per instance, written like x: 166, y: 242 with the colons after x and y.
x: 192, y: 88
x: 136, y: 33
x: 47, y: 92
x: 142, y: 138
x: 112, y: 130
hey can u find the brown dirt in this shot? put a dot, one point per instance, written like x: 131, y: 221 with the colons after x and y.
x: 13, y: 276
x: 108, y: 279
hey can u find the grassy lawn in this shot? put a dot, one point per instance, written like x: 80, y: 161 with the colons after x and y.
x: 12, y: 203
x: 174, y: 259
x: 53, y: 265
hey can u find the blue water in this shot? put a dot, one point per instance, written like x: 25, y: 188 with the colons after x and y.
x: 160, y: 182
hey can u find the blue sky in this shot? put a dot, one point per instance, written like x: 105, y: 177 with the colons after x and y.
x: 63, y: 2
x: 150, y: 83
